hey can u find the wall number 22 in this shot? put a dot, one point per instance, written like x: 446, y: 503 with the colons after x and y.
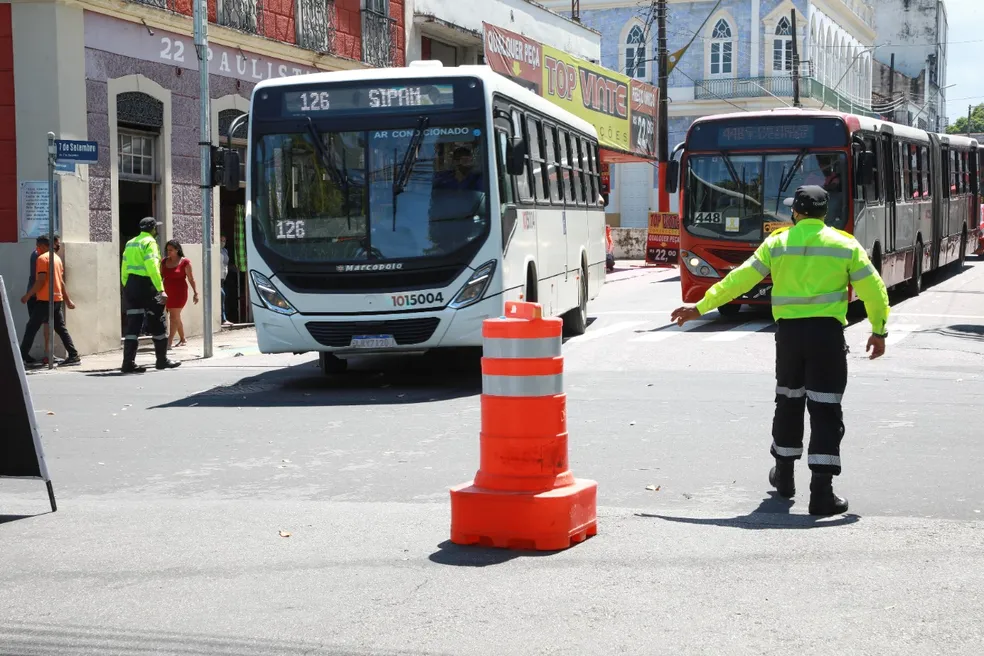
x: 178, y: 46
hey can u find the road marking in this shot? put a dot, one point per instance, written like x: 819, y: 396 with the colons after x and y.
x: 604, y: 332
x: 669, y: 331
x: 938, y: 316
x: 739, y: 332
x: 899, y: 332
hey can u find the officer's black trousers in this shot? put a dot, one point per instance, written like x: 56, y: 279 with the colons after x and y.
x: 140, y: 298
x: 811, y: 372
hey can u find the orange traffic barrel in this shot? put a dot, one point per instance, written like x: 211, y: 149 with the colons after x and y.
x: 524, y: 495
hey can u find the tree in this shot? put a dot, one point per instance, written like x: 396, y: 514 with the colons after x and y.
x: 976, y: 122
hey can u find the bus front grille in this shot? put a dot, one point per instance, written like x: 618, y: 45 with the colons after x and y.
x: 336, y: 282
x: 406, y: 332
x: 730, y: 256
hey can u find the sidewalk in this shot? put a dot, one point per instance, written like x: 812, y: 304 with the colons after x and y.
x: 226, y: 343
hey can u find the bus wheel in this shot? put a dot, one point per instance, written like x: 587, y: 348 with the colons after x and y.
x: 331, y: 364
x: 576, y: 319
x: 916, y: 282
x: 729, y: 311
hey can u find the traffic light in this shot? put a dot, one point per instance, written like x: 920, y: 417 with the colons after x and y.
x: 225, y: 168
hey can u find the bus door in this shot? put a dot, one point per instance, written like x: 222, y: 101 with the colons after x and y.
x: 890, y: 167
x: 939, y: 184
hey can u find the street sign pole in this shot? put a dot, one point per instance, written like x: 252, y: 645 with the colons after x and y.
x: 201, y: 46
x: 49, y: 351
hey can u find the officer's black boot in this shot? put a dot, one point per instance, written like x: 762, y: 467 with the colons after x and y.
x: 130, y: 357
x: 781, y: 478
x: 823, y: 501
x: 163, y: 362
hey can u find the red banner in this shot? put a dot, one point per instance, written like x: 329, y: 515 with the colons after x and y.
x: 514, y: 56
x: 663, y: 241
x: 643, y: 102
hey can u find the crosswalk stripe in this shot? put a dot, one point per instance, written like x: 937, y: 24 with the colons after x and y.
x: 668, y: 332
x: 739, y: 332
x: 604, y: 332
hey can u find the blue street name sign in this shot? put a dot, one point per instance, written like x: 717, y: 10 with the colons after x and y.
x: 80, y: 152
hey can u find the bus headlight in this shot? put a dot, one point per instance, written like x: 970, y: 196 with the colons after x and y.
x: 698, y: 266
x: 270, y: 295
x: 475, y: 288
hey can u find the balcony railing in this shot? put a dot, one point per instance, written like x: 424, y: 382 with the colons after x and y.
x: 378, y: 39
x: 160, y: 4
x: 242, y: 15
x: 781, y: 86
x: 316, y: 23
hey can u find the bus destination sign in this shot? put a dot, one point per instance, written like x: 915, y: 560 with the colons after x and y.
x: 352, y: 99
x: 757, y: 132
x: 766, y: 135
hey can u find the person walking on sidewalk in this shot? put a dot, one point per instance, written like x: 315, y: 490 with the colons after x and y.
x: 143, y: 293
x: 33, y: 301
x: 177, y: 275
x: 224, y: 271
x: 39, y: 312
x: 812, y: 267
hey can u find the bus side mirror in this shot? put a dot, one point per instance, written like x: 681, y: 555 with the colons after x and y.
x: 867, y: 161
x: 230, y: 169
x: 672, y: 182
x: 516, y: 156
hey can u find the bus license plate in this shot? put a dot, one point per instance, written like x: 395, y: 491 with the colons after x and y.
x: 372, y: 341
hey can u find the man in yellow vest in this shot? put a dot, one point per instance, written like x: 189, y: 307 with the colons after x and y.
x: 812, y: 267
x: 143, y: 293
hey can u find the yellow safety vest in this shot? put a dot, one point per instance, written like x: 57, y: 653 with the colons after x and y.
x: 812, y: 266
x: 141, y: 257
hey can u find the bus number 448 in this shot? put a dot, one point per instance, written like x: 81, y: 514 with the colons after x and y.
x: 410, y: 300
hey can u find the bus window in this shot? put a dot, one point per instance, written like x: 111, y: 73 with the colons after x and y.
x: 949, y: 173
x: 914, y: 178
x: 872, y: 192
x: 964, y: 173
x: 553, y: 163
x: 564, y: 146
x: 523, y: 188
x: 537, y: 160
x: 899, y: 175
x: 924, y: 165
x: 596, y: 172
x: 577, y: 153
x: 505, y: 181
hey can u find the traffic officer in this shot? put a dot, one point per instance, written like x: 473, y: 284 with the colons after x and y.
x: 812, y: 266
x: 143, y: 294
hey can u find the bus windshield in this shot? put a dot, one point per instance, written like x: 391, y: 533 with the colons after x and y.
x: 740, y: 197
x: 370, y: 195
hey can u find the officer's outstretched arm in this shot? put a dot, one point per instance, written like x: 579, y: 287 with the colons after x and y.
x: 738, y: 282
x: 871, y: 290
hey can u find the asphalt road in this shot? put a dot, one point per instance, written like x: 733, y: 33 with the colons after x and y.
x: 174, y: 489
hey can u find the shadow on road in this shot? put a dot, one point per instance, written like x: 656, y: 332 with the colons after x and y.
x: 13, y: 518
x: 389, y: 381
x: 38, y: 638
x: 772, y: 513
x: 449, y: 553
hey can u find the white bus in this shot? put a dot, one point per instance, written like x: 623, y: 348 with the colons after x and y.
x: 393, y: 210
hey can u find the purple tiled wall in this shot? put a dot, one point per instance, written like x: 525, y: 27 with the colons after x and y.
x: 185, y: 168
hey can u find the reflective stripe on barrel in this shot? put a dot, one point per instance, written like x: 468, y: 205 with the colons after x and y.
x: 524, y: 386
x: 535, y: 347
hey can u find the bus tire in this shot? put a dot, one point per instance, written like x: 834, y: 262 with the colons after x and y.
x: 916, y: 281
x: 576, y: 319
x: 729, y: 311
x: 331, y: 364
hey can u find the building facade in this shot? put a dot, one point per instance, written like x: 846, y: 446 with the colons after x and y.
x: 451, y: 30
x: 912, y: 37
x: 740, y: 58
x: 126, y: 76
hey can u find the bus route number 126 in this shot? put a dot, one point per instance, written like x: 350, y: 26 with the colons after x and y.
x: 411, y: 300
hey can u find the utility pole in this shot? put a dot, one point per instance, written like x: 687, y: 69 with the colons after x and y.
x: 663, y: 120
x: 201, y: 46
x: 796, y: 65
x: 970, y: 115
x: 49, y: 352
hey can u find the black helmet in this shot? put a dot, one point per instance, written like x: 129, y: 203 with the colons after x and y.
x: 149, y: 223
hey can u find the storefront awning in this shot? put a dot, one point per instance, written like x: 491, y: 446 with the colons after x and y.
x: 450, y: 33
x: 617, y: 157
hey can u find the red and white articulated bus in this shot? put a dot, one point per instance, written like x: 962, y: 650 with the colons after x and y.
x: 911, y: 198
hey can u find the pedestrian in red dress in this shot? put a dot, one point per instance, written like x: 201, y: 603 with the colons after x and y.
x: 177, y: 274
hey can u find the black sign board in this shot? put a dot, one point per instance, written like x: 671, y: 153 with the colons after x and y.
x: 21, y: 455
x: 760, y: 133
x: 334, y: 98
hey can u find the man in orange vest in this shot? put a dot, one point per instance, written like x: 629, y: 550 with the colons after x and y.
x: 39, y: 313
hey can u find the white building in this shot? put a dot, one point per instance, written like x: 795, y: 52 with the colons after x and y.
x: 914, y: 33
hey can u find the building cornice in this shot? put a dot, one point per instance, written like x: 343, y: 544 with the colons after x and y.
x: 839, y: 11
x: 153, y: 17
